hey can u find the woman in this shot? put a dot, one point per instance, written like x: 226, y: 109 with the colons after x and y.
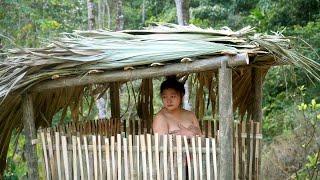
x: 172, y: 118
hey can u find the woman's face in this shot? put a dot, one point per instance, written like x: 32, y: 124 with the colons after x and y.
x: 171, y: 99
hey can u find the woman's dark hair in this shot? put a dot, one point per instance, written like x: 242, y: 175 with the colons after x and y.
x: 173, y: 83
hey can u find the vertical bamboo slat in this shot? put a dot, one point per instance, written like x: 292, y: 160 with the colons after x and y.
x: 254, y: 132
x: 251, y: 149
x: 188, y: 157
x: 149, y: 156
x: 243, y: 164
x: 236, y: 151
x: 95, y: 158
x: 107, y: 152
x: 200, y: 158
x: 44, y: 147
x: 208, y: 159
x: 58, y: 159
x: 80, y: 157
x: 172, y: 170
x: 194, y: 156
x: 131, y: 157
x: 179, y: 156
x: 144, y: 157
x: 113, y: 161
x: 214, y: 154
x: 165, y: 157
x: 125, y: 156
x: 51, y: 157
x: 74, y: 157
x: 86, y: 152
x: 119, y: 156
x: 156, y: 146
x: 258, y: 145
x: 65, y: 156
x: 100, y: 157
x: 138, y: 156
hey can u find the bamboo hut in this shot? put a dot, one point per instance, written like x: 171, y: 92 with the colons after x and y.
x: 228, y: 67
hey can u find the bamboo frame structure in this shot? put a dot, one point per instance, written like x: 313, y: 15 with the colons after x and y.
x: 225, y: 103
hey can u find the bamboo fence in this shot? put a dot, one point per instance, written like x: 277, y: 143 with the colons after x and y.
x: 102, y: 150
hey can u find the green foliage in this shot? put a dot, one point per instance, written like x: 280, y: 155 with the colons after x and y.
x: 16, y: 165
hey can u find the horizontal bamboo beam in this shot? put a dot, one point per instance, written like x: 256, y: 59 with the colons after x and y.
x: 127, y: 75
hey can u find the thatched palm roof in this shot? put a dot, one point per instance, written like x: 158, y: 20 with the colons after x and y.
x: 83, y: 53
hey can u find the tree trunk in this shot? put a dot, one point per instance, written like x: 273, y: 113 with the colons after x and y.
x: 182, y: 11
x: 143, y: 12
x: 108, y: 13
x: 100, y: 14
x: 90, y: 14
x: 119, y: 18
x: 183, y: 19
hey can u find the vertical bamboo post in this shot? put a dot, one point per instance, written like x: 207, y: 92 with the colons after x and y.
x: 115, y: 104
x: 31, y: 134
x: 226, y: 122
x: 257, y: 108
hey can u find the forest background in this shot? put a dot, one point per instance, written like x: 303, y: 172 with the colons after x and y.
x: 291, y: 100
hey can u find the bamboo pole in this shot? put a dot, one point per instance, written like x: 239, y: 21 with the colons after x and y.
x: 165, y: 157
x: 149, y: 156
x: 57, y: 145
x: 45, y: 154
x: 225, y: 122
x: 188, y: 157
x: 144, y: 157
x: 85, y: 141
x: 171, y: 157
x: 257, y: 109
x: 107, y: 151
x: 208, y: 158
x: 119, y: 156
x: 194, y: 156
x: 214, y: 154
x: 65, y: 156
x: 80, y: 157
x: 131, y: 157
x: 31, y: 134
x: 200, y: 158
x: 74, y: 158
x: 156, y: 146
x: 179, y: 156
x: 125, y: 157
x: 129, y: 75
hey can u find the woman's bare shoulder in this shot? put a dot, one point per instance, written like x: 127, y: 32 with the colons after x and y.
x: 188, y: 113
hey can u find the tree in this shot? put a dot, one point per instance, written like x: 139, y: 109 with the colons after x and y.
x: 90, y: 14
x: 182, y: 11
x: 119, y: 17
